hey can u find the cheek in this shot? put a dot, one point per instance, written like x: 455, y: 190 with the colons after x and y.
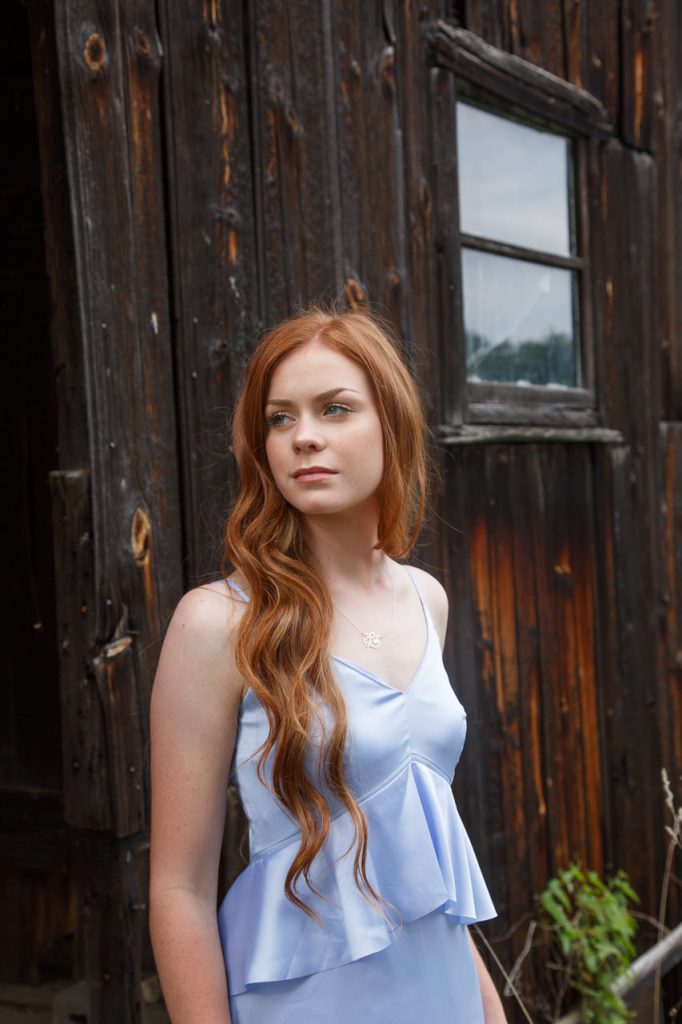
x: 369, y: 449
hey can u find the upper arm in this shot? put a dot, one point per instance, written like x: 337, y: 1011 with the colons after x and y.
x: 437, y: 600
x: 194, y: 715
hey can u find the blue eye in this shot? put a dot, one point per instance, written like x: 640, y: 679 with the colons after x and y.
x: 338, y: 407
x: 277, y: 419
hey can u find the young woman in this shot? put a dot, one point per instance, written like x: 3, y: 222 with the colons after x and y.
x: 314, y: 673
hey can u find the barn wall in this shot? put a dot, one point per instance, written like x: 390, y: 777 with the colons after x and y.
x: 259, y: 155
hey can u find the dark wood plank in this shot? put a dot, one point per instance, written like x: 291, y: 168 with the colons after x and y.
x: 603, y: 78
x: 520, y: 564
x: 537, y: 34
x: 489, y: 19
x: 127, y: 567
x: 668, y: 144
x: 218, y: 276
x: 36, y: 888
x: 125, y: 725
x: 628, y: 694
x: 479, y: 785
x: 640, y: 39
x: 413, y: 79
x: 576, y: 43
x: 371, y: 148
x: 449, y: 318
x: 85, y: 777
x: 109, y: 67
x: 670, y: 694
x: 522, y: 495
x: 497, y: 613
x: 114, y: 880
x: 296, y: 147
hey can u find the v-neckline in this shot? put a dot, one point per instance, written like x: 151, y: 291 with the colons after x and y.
x: 379, y: 679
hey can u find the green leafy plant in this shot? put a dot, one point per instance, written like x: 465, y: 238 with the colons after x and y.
x: 592, y: 931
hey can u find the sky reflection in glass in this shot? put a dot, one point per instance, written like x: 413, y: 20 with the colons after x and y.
x: 513, y: 181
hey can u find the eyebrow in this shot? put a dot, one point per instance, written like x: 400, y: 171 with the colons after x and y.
x: 324, y: 397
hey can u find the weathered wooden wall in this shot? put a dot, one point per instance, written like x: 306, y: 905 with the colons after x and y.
x: 231, y: 160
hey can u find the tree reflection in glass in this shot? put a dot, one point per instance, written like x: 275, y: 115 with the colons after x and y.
x: 518, y: 321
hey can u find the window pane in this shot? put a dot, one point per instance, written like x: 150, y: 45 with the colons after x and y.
x: 519, y: 320
x: 513, y: 181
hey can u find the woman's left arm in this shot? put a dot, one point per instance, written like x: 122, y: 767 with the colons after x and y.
x: 492, y: 1004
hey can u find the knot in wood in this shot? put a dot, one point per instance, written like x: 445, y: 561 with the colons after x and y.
x: 354, y: 293
x: 140, y: 535
x: 388, y: 65
x: 219, y: 351
x: 231, y: 83
x: 115, y: 648
x: 95, y: 52
x: 275, y: 90
x: 293, y: 121
x: 142, y: 44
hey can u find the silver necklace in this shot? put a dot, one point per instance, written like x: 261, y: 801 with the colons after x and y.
x: 370, y: 637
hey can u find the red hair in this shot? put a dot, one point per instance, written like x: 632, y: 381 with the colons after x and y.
x: 284, y: 638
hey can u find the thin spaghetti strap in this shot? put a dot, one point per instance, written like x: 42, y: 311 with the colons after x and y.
x: 416, y: 586
x: 425, y: 608
x: 237, y: 589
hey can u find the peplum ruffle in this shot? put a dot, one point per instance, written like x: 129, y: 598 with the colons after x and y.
x: 419, y: 859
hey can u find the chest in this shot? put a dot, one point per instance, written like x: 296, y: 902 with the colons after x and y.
x: 391, y: 647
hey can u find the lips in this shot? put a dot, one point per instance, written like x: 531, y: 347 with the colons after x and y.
x: 306, y: 471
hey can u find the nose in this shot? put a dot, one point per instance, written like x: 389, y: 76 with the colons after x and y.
x: 307, y: 436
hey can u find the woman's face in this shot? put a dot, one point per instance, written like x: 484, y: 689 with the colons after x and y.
x: 324, y: 440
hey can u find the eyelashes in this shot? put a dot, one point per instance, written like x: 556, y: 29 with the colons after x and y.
x: 279, y: 419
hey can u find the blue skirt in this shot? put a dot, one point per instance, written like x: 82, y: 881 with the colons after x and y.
x: 427, y: 974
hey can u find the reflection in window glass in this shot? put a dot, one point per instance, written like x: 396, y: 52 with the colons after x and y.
x: 519, y: 321
x: 513, y: 181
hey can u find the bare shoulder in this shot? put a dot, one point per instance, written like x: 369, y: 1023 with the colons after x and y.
x: 210, y: 614
x: 436, y: 598
x: 200, y: 639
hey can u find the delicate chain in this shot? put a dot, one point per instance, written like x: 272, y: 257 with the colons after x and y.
x: 371, y: 638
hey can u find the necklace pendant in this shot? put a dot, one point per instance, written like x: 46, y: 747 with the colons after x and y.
x: 371, y: 639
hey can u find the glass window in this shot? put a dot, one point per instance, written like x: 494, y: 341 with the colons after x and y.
x: 519, y: 321
x: 519, y: 276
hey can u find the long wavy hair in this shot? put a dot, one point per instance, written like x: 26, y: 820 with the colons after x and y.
x: 284, y: 638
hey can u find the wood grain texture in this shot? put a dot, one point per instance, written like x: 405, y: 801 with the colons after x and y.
x: 218, y: 279
x: 109, y: 66
x: 241, y: 158
x: 524, y: 598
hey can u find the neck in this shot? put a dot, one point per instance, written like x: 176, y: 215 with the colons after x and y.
x: 344, y: 548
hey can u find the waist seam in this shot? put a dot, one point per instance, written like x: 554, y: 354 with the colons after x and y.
x: 405, y: 763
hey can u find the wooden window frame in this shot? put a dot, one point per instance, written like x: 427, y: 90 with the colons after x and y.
x: 465, y: 67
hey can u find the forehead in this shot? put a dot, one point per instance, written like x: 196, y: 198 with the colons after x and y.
x: 314, y: 368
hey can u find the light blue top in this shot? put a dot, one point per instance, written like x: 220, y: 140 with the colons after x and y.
x: 401, y: 752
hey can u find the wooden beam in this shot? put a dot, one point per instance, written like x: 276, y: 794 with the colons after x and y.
x: 517, y: 80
